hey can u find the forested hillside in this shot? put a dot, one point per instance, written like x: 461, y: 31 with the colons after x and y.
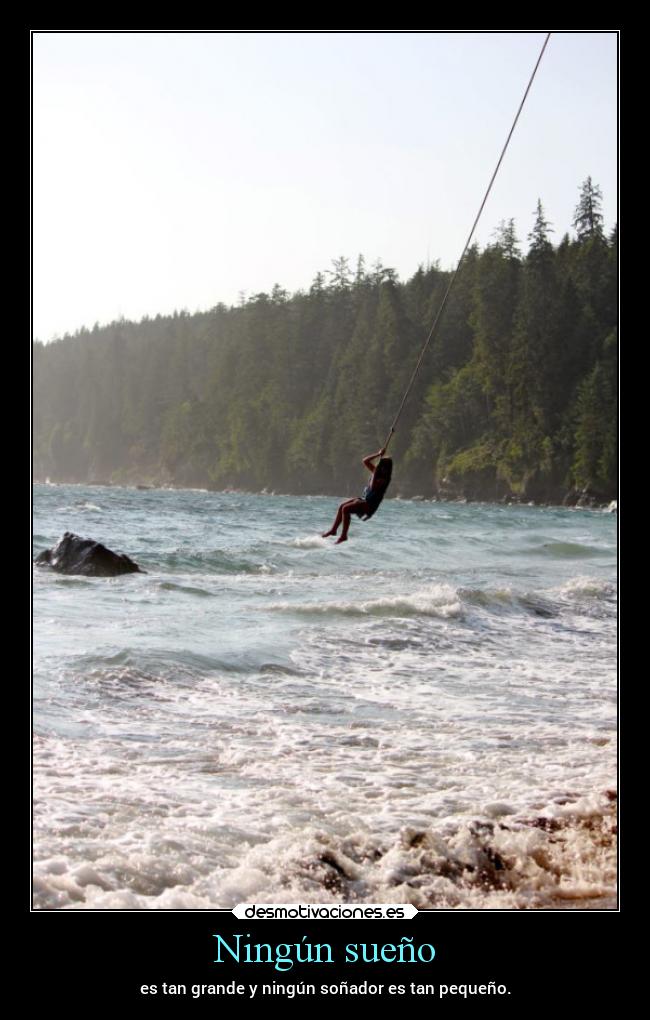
x: 517, y: 395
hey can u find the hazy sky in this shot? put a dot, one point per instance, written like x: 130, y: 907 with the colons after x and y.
x: 177, y: 170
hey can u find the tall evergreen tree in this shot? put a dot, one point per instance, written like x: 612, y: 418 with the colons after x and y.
x: 588, y: 217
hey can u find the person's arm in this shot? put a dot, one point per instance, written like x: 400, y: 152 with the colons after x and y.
x: 368, y: 461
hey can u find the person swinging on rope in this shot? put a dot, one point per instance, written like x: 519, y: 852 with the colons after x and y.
x: 367, y: 504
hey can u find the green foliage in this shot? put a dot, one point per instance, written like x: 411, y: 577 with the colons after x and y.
x: 596, y: 443
x: 517, y: 392
x: 476, y: 459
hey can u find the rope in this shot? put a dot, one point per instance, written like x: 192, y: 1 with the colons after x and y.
x: 467, y: 244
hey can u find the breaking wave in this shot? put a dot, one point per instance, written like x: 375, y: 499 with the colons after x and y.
x: 564, y: 857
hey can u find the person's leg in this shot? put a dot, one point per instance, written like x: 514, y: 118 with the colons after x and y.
x: 346, y: 526
x: 339, y: 516
x: 355, y: 506
x: 337, y: 521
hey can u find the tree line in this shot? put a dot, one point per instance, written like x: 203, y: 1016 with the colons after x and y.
x: 516, y: 397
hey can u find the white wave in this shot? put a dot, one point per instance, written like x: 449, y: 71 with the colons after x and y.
x: 309, y: 542
x: 563, y: 856
x: 566, y: 854
x: 578, y: 587
x: 77, y: 507
x: 435, y: 600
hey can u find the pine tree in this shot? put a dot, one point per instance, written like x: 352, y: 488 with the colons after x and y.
x: 588, y: 217
x: 506, y: 240
x: 540, y: 246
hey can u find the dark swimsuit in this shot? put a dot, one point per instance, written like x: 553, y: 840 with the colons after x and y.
x: 373, y: 498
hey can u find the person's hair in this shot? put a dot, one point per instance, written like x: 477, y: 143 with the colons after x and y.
x: 384, y: 470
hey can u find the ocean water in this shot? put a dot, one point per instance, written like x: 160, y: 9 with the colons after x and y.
x: 425, y: 714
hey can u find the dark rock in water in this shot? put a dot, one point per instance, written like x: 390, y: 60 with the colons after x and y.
x: 75, y: 555
x: 587, y: 499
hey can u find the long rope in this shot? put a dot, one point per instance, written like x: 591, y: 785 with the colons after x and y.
x: 467, y: 244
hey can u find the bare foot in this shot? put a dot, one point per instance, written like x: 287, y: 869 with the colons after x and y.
x: 326, y: 534
x: 343, y: 538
